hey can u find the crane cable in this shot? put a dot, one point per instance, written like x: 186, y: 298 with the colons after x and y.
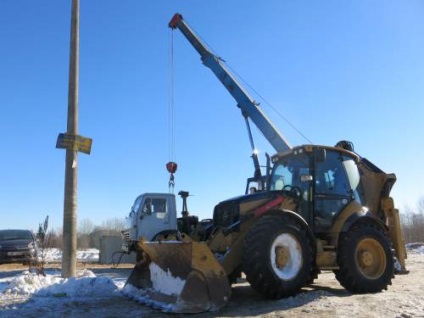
x: 171, y: 166
x: 271, y: 106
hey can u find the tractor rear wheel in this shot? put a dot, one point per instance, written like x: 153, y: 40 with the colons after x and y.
x: 365, y: 259
x: 277, y: 257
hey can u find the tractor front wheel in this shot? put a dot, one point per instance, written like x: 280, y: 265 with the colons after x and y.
x: 277, y: 257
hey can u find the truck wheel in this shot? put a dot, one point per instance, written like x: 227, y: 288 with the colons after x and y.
x: 277, y: 257
x: 365, y: 260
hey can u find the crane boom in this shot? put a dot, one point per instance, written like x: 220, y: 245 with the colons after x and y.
x: 247, y: 104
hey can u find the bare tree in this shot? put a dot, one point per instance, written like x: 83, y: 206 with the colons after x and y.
x: 110, y: 227
x: 85, y: 228
x: 54, y: 239
x: 413, y: 223
x: 114, y: 224
x: 421, y: 205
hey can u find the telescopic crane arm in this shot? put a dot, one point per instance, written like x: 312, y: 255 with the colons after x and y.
x: 247, y: 105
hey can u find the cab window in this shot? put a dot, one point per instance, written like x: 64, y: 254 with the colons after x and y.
x: 281, y: 177
x: 330, y: 176
x: 289, y: 172
x: 156, y: 206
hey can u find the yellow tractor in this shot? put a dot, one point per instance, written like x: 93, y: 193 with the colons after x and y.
x: 324, y: 208
x: 316, y: 208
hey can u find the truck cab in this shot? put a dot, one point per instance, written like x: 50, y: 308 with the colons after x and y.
x: 152, y: 214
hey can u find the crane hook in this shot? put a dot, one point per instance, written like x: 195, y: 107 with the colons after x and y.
x: 172, y: 168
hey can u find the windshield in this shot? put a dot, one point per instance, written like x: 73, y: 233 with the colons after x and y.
x: 136, y: 204
x: 288, y: 172
x: 6, y: 235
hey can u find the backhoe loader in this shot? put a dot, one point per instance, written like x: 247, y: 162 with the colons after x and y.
x: 317, y: 208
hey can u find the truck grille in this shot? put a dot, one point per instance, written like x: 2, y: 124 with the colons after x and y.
x: 125, y: 235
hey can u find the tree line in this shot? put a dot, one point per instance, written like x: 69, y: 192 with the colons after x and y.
x: 412, y: 221
x: 88, y: 234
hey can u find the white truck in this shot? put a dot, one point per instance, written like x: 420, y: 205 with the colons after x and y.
x: 153, y: 216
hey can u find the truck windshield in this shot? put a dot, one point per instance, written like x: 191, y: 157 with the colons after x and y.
x: 136, y: 205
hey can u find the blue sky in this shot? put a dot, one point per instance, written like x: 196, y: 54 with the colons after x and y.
x: 335, y: 69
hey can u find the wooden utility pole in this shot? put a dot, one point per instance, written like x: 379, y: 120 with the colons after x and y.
x: 69, y: 255
x: 73, y: 143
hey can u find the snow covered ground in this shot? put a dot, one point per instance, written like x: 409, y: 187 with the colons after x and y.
x: 55, y: 255
x: 26, y: 294
x: 23, y: 292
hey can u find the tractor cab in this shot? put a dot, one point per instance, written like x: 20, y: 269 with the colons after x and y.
x: 327, y: 179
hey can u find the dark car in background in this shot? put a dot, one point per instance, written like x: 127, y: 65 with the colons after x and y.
x: 18, y: 246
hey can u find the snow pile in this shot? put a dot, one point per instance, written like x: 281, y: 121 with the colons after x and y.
x: 164, y: 282
x: 85, y: 284
x: 416, y: 248
x: 80, y: 287
x: 51, y: 289
x: 55, y: 255
x: 29, y: 283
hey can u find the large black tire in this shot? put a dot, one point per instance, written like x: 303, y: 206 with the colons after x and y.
x: 277, y: 257
x: 365, y: 259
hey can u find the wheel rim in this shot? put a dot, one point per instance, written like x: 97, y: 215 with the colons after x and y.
x: 286, y: 256
x: 371, y: 258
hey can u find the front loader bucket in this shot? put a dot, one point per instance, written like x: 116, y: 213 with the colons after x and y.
x: 179, y: 277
